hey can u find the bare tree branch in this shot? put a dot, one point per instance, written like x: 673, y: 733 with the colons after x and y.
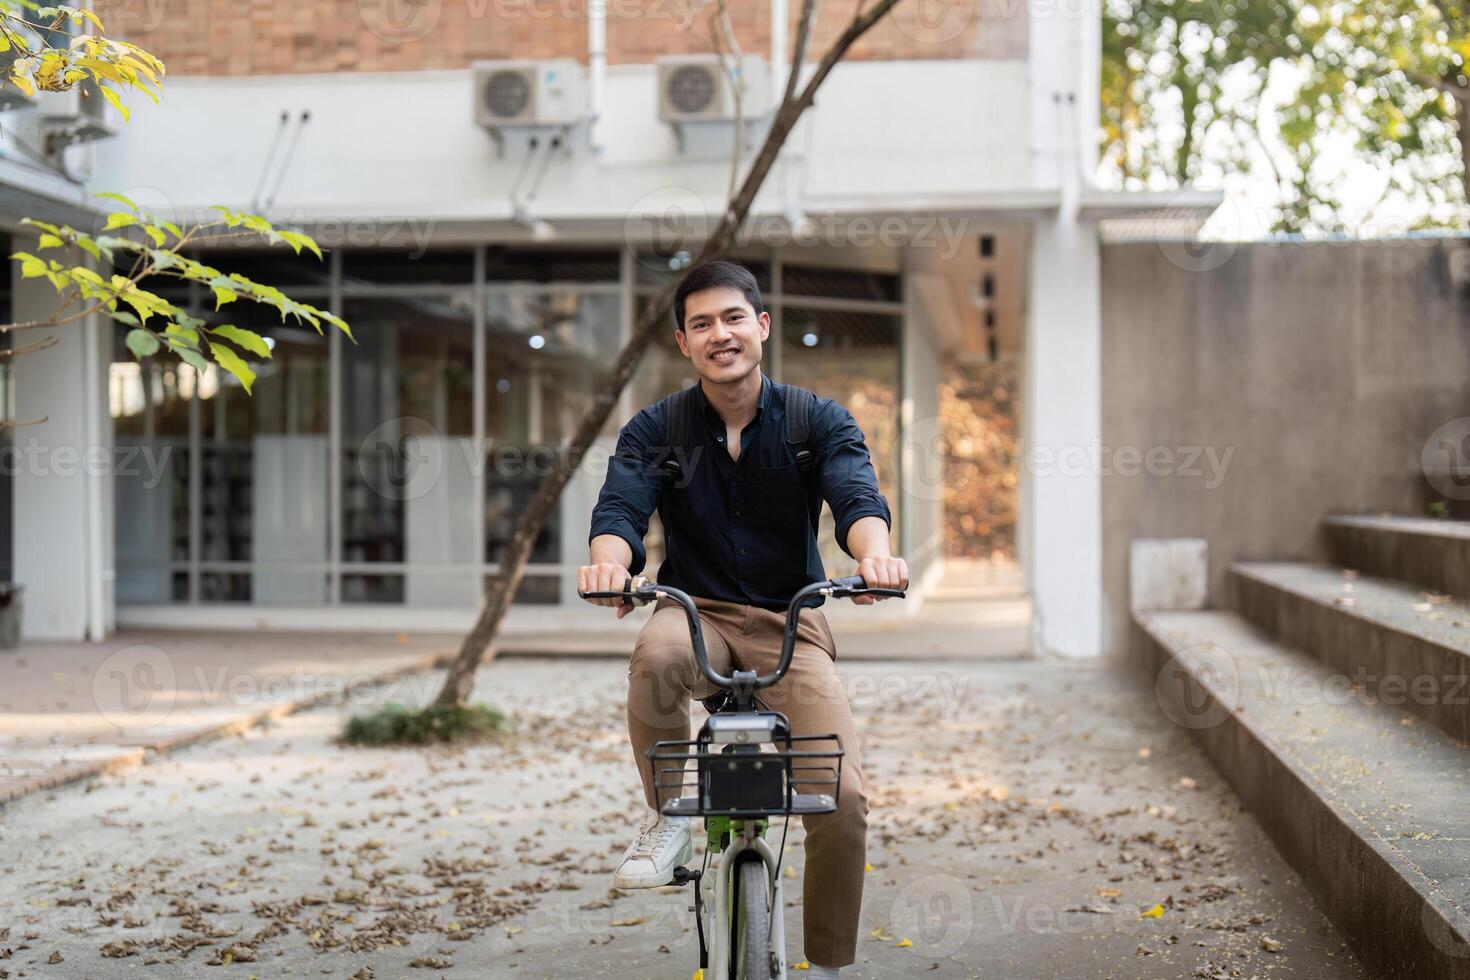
x: 798, y: 53
x: 9, y: 353
x: 459, y: 682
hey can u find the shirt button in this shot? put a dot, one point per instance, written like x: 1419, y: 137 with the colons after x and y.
x: 742, y: 552
x: 719, y: 438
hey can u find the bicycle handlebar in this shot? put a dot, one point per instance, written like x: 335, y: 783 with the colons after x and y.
x: 641, y: 591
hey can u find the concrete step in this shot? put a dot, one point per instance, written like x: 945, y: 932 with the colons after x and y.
x: 1421, y: 550
x: 1366, y: 802
x: 1400, y: 644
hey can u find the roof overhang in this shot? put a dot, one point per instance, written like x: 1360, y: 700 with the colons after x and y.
x: 30, y: 192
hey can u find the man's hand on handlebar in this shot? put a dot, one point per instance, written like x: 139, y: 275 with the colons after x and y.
x: 605, y: 576
x: 882, y: 573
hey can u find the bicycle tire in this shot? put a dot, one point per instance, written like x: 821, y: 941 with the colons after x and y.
x: 753, y: 957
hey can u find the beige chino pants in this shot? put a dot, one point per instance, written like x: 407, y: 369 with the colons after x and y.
x: 663, y: 677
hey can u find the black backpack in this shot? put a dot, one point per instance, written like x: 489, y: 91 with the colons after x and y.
x: 682, y: 415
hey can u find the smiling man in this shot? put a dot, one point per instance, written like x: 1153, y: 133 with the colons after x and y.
x: 740, y: 509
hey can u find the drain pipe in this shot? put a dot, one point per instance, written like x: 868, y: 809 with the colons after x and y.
x: 779, y: 55
x: 596, y: 70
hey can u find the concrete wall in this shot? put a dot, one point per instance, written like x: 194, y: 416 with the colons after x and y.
x: 352, y: 162
x: 1314, y: 373
x: 62, y: 515
x: 227, y: 37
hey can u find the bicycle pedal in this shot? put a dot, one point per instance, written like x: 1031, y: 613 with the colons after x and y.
x: 683, y: 876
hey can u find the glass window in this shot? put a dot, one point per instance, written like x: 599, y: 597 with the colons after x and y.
x: 377, y: 266
x: 409, y: 462
x: 807, y: 280
x: 149, y: 403
x: 279, y: 267
x: 546, y: 350
x: 853, y: 359
x: 657, y: 269
x: 504, y: 263
x: 264, y: 464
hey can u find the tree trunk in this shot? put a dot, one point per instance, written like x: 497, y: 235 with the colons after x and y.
x: 1462, y: 128
x: 461, y: 678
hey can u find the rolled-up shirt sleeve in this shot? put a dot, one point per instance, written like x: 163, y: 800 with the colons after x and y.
x: 849, y: 483
x: 629, y: 495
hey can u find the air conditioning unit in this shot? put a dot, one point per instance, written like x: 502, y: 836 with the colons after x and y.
x: 528, y: 93
x: 77, y: 115
x: 695, y: 88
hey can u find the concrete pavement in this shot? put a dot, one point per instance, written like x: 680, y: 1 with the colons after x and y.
x: 1025, y: 816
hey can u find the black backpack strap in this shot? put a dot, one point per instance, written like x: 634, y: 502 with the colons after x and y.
x: 679, y: 421
x: 799, y: 404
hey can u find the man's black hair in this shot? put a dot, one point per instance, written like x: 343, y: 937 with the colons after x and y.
x: 714, y: 275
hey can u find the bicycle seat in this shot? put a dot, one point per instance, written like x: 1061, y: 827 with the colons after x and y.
x: 716, y: 702
x: 722, y: 700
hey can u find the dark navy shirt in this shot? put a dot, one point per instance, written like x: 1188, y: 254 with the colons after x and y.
x: 740, y: 530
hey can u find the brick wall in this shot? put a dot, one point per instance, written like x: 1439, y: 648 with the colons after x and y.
x: 261, y: 37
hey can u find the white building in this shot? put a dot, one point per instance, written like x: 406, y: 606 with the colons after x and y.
x: 933, y: 202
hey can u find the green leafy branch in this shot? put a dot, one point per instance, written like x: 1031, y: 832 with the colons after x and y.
x: 156, y: 249
x: 109, y: 65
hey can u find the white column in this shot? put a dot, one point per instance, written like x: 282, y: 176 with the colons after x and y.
x: 62, y: 510
x: 921, y: 460
x: 1060, y: 466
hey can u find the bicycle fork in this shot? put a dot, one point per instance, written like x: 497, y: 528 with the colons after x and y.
x: 714, y: 903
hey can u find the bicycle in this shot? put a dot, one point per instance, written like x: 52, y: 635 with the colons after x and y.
x: 746, y: 768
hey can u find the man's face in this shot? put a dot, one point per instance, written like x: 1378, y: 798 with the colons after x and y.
x: 722, y: 334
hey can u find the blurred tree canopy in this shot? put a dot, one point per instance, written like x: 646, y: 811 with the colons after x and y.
x: 1294, y: 90
x: 59, y: 48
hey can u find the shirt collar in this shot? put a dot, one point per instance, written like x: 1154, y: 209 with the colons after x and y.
x: 768, y: 392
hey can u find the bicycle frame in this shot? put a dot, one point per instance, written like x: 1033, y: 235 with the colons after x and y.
x: 741, y: 729
x: 719, y: 908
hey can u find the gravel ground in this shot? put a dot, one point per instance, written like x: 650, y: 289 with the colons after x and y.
x: 1024, y: 816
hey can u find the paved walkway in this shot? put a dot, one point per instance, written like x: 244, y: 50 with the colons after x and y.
x: 69, y: 710
x: 1024, y: 815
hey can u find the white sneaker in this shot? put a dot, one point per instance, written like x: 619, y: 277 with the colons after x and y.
x: 663, y: 843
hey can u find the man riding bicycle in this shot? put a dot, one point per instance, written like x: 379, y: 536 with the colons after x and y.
x: 737, y: 467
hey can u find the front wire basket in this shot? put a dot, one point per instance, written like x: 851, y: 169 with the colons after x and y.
x: 703, y: 778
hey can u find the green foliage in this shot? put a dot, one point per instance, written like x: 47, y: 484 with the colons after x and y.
x: 156, y: 250
x: 1241, y: 85
x: 395, y: 724
x: 108, y: 65
x: 149, y: 247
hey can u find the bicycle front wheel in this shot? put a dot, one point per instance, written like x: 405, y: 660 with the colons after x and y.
x: 753, y: 952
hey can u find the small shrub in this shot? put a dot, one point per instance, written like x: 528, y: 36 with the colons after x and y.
x: 395, y: 724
